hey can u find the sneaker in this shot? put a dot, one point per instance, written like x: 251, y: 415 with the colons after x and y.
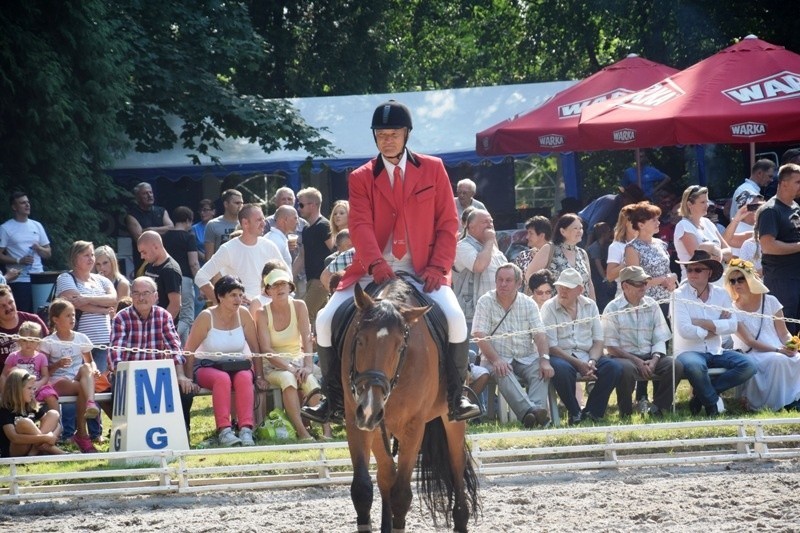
x: 226, y: 437
x: 246, y: 436
x: 84, y: 444
x: 643, y: 406
x: 91, y: 410
x: 720, y: 405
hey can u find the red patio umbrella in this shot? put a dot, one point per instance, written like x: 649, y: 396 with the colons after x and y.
x: 746, y: 93
x: 553, y: 126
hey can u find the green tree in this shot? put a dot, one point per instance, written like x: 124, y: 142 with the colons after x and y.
x: 63, y: 80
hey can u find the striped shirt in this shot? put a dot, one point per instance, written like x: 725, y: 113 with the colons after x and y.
x: 96, y: 326
x: 132, y: 332
x: 640, y: 331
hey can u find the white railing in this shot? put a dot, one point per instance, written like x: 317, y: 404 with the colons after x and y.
x: 493, y: 453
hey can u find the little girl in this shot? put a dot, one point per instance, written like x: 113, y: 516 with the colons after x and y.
x: 19, y: 412
x: 72, y: 367
x: 29, y: 358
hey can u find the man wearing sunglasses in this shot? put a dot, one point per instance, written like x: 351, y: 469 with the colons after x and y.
x: 701, y: 319
x: 636, y: 335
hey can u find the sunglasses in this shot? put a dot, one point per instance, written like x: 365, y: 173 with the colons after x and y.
x: 697, y: 270
x: 734, y: 281
x: 543, y: 292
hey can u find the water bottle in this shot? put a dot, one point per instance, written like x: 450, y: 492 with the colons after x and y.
x: 26, y: 269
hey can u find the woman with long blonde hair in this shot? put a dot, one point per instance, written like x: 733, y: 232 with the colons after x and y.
x: 106, y: 264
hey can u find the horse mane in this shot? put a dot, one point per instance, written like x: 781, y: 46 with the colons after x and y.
x: 385, y: 312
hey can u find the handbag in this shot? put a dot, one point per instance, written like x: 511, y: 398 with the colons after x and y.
x: 101, y: 383
x: 276, y: 426
x: 230, y: 365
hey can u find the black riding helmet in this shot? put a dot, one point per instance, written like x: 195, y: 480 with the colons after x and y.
x: 391, y: 115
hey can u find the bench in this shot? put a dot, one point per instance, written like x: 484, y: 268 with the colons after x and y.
x: 263, y: 406
x: 504, y: 413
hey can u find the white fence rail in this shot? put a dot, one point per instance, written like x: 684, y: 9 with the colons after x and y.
x: 494, y: 453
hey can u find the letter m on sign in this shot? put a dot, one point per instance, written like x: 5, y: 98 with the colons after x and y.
x: 153, y: 392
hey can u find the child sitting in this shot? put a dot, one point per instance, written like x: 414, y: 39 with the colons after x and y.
x: 73, y: 369
x: 19, y: 412
x: 29, y: 358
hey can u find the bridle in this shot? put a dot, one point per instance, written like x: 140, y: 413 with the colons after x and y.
x: 370, y: 378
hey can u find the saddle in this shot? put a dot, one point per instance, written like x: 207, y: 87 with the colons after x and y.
x: 435, y: 319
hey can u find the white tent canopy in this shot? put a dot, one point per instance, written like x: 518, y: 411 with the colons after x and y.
x: 445, y: 122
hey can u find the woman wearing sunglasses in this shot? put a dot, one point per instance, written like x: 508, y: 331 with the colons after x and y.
x: 762, y: 336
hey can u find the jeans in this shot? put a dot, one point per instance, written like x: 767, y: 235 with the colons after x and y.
x: 95, y: 425
x: 608, y: 374
x: 23, y: 295
x: 695, y: 370
x: 186, y: 316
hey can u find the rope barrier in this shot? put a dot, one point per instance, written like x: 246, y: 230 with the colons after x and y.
x: 299, y: 355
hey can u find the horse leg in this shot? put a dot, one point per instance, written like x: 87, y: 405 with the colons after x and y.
x: 455, y: 443
x: 401, y: 494
x: 387, y: 474
x: 361, y: 486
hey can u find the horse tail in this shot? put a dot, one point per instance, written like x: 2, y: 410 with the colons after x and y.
x: 435, y: 477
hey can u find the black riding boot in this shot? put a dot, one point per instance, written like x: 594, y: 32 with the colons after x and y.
x: 457, y: 365
x: 331, y: 408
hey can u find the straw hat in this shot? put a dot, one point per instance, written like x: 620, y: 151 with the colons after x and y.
x: 747, y: 268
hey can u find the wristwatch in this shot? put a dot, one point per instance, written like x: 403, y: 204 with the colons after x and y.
x: 545, y: 356
x: 658, y: 355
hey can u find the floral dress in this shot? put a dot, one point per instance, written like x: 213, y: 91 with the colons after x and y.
x: 559, y: 263
x: 654, y: 260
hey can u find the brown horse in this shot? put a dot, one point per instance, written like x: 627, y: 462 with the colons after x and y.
x: 397, y: 390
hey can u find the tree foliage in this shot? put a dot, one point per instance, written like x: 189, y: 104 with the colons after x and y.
x: 82, y: 81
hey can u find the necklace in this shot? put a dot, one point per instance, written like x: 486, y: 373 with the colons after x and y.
x: 570, y: 247
x: 704, y: 291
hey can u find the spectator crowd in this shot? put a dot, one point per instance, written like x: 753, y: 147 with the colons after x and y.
x: 639, y: 286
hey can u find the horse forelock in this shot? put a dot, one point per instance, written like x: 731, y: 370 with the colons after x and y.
x: 383, y: 314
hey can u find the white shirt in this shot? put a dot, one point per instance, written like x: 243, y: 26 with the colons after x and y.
x: 282, y: 242
x: 691, y: 338
x: 18, y: 239
x: 750, y: 186
x: 234, y: 258
x: 707, y: 232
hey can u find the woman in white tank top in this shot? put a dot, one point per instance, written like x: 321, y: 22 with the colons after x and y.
x: 227, y: 328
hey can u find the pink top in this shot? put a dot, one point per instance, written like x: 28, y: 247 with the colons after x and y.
x: 32, y: 364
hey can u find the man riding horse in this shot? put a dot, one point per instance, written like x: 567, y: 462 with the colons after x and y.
x: 402, y: 218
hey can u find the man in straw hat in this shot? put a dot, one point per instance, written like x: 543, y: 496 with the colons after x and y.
x: 577, y: 348
x: 637, y: 339
x: 698, y: 331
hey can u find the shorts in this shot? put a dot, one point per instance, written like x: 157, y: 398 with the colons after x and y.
x: 284, y: 379
x: 45, y: 392
x: 476, y: 371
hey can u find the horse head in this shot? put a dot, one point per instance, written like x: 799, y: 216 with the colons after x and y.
x: 379, y: 347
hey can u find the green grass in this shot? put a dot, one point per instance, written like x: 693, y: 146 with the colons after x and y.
x: 203, y: 432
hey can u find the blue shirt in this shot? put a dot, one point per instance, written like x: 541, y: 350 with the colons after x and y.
x: 651, y: 176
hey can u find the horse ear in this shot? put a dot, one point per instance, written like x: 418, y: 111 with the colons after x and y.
x: 412, y: 314
x: 362, y: 299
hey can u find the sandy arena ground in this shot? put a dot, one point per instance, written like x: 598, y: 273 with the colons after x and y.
x: 728, y: 497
